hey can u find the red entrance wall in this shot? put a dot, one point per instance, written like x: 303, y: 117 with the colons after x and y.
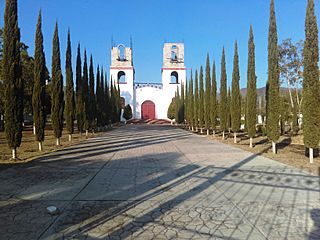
x: 148, y: 110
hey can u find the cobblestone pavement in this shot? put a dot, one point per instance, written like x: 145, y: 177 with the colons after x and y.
x: 157, y: 182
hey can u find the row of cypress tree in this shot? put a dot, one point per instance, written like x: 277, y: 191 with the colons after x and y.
x: 201, y: 108
x: 91, y: 107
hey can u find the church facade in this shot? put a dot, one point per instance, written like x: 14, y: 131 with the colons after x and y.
x: 148, y: 100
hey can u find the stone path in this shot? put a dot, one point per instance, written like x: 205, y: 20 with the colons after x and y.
x: 157, y: 182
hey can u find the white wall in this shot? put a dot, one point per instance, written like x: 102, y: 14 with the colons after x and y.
x: 156, y: 95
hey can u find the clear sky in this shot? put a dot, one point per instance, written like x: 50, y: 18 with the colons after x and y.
x: 203, y: 25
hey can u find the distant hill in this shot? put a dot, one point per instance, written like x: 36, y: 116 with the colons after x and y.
x: 261, y: 92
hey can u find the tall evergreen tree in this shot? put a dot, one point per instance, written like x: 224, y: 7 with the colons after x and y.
x: 85, y: 94
x: 229, y: 110
x: 182, y: 104
x: 207, y: 99
x: 196, y: 101
x: 79, y: 93
x: 235, y: 95
x: 102, y: 97
x: 99, y: 99
x: 311, y: 111
x: 201, y: 100
x: 57, y: 88
x: 70, y: 102
x: 11, y: 73
x: 92, y: 100
x: 108, y: 103
x: 38, y: 96
x: 177, y: 106
x: 251, y: 98
x: 223, y: 96
x: 186, y: 104
x: 191, y: 102
x: 213, y: 99
x: 273, y: 79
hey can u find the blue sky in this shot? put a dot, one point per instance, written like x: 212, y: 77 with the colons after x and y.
x: 203, y: 25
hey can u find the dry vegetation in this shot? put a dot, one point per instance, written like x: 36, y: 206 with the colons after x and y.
x: 29, y: 147
x: 290, y: 150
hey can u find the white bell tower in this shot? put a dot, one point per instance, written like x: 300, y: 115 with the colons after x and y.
x: 122, y: 73
x: 173, y: 70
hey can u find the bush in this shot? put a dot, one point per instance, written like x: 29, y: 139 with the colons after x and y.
x: 171, y: 110
x: 127, y: 112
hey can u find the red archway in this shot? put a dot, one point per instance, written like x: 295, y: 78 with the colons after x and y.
x: 148, y: 110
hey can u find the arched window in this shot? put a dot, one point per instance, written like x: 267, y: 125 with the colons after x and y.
x: 174, y: 53
x: 121, y: 77
x: 122, y: 53
x: 174, y: 78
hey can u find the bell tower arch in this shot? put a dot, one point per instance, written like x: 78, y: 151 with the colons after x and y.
x: 122, y: 72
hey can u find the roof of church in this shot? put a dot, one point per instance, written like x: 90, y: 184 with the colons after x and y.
x: 154, y: 85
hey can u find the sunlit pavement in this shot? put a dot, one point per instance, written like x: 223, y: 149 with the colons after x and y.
x: 157, y: 182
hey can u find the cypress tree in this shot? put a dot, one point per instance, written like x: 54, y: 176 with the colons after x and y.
x: 251, y: 98
x: 182, y: 104
x: 207, y: 100
x: 196, y: 101
x: 186, y: 104
x: 85, y: 94
x: 112, y: 103
x: 11, y: 73
x: 201, y: 100
x: 92, y: 100
x: 70, y: 102
x: 229, y: 110
x: 273, y: 79
x: 235, y: 95
x: 98, y: 99
x: 177, y: 106
x: 311, y: 113
x: 38, y: 96
x: 108, y: 103
x: 102, y: 99
x: 57, y: 88
x: 79, y: 93
x: 223, y: 96
x: 213, y: 99
x: 191, y: 102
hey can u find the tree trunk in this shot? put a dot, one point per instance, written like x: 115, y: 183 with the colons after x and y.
x: 40, y: 146
x: 70, y: 137
x: 192, y: 129
x: 14, y: 153
x: 311, y: 155
x: 58, y: 141
x: 201, y: 130
x: 213, y: 132
x: 34, y: 129
x: 234, y: 137
x: 274, y: 147
x: 196, y: 129
x: 87, y: 133
x: 289, y: 88
x: 208, y: 132
x: 251, y: 140
x: 223, y: 135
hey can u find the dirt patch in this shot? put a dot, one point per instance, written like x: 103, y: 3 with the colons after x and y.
x: 290, y: 150
x: 28, y: 150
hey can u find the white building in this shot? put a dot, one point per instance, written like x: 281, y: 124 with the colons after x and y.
x: 148, y: 100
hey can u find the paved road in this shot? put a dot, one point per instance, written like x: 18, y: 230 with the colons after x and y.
x: 157, y: 182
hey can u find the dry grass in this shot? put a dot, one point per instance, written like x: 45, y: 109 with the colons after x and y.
x: 29, y: 147
x: 290, y: 150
